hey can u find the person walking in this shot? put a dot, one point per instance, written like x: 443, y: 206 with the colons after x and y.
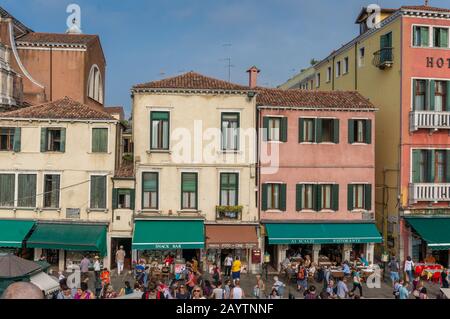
x: 97, y: 268
x: 342, y: 289
x: 191, y: 280
x: 218, y: 292
x: 236, y: 269
x: 302, y: 279
x: 120, y: 259
x: 228, y: 263
x: 216, y: 274
x: 279, y: 286
x: 259, y: 290
x: 237, y: 292
x: 409, y: 265
x: 84, y: 268
x: 403, y: 291
x: 397, y: 285
x: 227, y: 289
x: 394, y: 267
x: 105, y: 277
x: 357, y: 283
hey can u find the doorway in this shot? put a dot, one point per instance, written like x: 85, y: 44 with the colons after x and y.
x: 115, y: 245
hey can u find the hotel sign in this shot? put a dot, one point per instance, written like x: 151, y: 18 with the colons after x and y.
x: 438, y: 62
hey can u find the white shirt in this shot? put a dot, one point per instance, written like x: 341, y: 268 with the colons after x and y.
x: 236, y: 293
x: 97, y: 266
x: 408, y: 265
x: 228, y: 261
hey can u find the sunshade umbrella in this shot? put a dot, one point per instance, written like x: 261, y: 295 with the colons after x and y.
x: 12, y: 266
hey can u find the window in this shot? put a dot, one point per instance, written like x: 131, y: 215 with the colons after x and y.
x: 346, y: 66
x: 275, y: 129
x: 360, y: 131
x: 127, y: 145
x: 150, y: 185
x: 7, y: 187
x: 421, y: 36
x: 307, y: 130
x: 307, y: 197
x: 440, y: 37
x: 51, y: 191
x: 359, y: 197
x: 338, y: 68
x: 95, y: 84
x: 99, y: 140
x: 189, y: 190
x: 26, y: 191
x: 326, y: 201
x: 53, y: 140
x: 431, y: 166
x: 229, y: 189
x: 123, y: 198
x: 274, y: 197
x: 8, y: 139
x: 160, y: 130
x: 361, y: 58
x: 440, y: 95
x: 329, y: 74
x: 317, y: 80
x: 317, y: 197
x: 98, y: 192
x: 230, y: 131
x: 420, y: 94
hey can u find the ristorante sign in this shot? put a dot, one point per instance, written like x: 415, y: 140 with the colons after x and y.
x: 438, y: 62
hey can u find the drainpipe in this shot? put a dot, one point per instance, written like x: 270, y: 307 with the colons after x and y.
x: 51, y: 74
x: 333, y: 74
x: 356, y: 66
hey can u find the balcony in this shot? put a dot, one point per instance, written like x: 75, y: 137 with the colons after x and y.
x: 429, y: 120
x: 229, y: 213
x: 383, y: 58
x: 429, y: 192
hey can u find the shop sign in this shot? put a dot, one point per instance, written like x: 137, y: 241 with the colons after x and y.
x: 330, y: 241
x: 168, y: 246
x: 439, y: 62
x: 73, y: 213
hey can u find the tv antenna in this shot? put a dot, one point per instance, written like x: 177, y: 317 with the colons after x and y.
x: 229, y: 65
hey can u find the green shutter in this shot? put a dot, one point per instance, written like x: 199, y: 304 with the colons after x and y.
x: 335, y: 197
x: 132, y: 198
x: 336, y: 131
x: 283, y: 188
x: 414, y: 90
x: 43, y: 140
x: 301, y: 123
x: 368, y: 128
x: 447, y: 103
x: 350, y: 197
x: 189, y: 182
x: 115, y: 195
x: 416, y: 166
x: 432, y: 94
x: 298, y: 198
x: 447, y: 168
x: 160, y: 116
x: 430, y: 166
x: 368, y: 197
x: 318, y: 125
x: 443, y: 34
x: 318, y: 199
x: 26, y: 190
x: 150, y: 182
x: 264, y: 197
x: 315, y: 191
x: 383, y: 41
x: 284, y: 129
x: 17, y: 139
x: 265, y: 128
x: 351, y: 131
x: 63, y: 140
x: 424, y: 35
x: 99, y: 140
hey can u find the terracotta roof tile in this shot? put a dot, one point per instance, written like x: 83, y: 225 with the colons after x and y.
x: 126, y: 170
x: 312, y: 99
x: 192, y: 80
x: 65, y: 108
x: 57, y: 38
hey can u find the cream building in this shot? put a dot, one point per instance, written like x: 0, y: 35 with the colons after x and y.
x: 57, y: 161
x: 195, y: 169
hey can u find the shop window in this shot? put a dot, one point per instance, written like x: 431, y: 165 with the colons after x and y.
x: 421, y: 36
x: 189, y: 190
x: 150, y: 185
x: 98, y: 192
x: 51, y: 191
x: 230, y: 131
x: 159, y: 130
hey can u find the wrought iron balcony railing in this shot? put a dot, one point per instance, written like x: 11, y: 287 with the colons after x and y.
x: 383, y: 58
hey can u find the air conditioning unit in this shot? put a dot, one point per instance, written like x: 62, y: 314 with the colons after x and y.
x: 368, y: 216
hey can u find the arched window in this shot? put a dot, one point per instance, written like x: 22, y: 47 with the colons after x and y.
x: 95, y: 84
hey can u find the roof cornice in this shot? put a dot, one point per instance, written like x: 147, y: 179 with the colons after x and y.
x: 314, y: 108
x: 21, y: 119
x: 425, y: 13
x: 189, y: 91
x: 50, y: 44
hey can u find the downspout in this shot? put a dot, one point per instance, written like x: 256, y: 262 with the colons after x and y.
x: 333, y: 74
x: 401, y: 136
x: 356, y: 66
x: 51, y: 73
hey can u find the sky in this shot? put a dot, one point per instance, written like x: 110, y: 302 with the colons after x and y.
x: 147, y: 40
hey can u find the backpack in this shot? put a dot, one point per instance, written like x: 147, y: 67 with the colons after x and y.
x: 301, y: 274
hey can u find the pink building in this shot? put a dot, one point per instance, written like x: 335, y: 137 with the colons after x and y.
x: 316, y: 185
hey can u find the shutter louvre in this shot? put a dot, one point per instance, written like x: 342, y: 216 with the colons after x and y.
x: 424, y: 36
x: 319, y: 190
x: 132, y: 198
x: 447, y: 102
x: 350, y: 197
x: 432, y: 94
x: 264, y: 197
x: 17, y: 139
x: 416, y: 166
x: 284, y: 129
x: 336, y: 131
x: 265, y: 128
x: 430, y: 166
x: 351, y: 131
x: 283, y: 188
x: 315, y: 191
x: 443, y: 34
x: 335, y: 197
x: 447, y: 166
x: 301, y: 123
x: 368, y: 197
x: 368, y: 131
x: 318, y: 130
x: 43, y: 140
x: 298, y: 202
x: 115, y: 199
x: 414, y: 95
x: 63, y: 140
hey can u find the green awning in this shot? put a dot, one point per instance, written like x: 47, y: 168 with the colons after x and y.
x: 76, y: 237
x: 13, y: 232
x: 434, y: 230
x: 323, y: 233
x: 168, y: 234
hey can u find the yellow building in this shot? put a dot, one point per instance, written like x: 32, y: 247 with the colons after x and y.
x: 401, y: 65
x: 57, y: 161
x: 195, y: 169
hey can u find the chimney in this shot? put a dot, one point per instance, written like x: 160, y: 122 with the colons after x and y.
x: 253, y: 76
